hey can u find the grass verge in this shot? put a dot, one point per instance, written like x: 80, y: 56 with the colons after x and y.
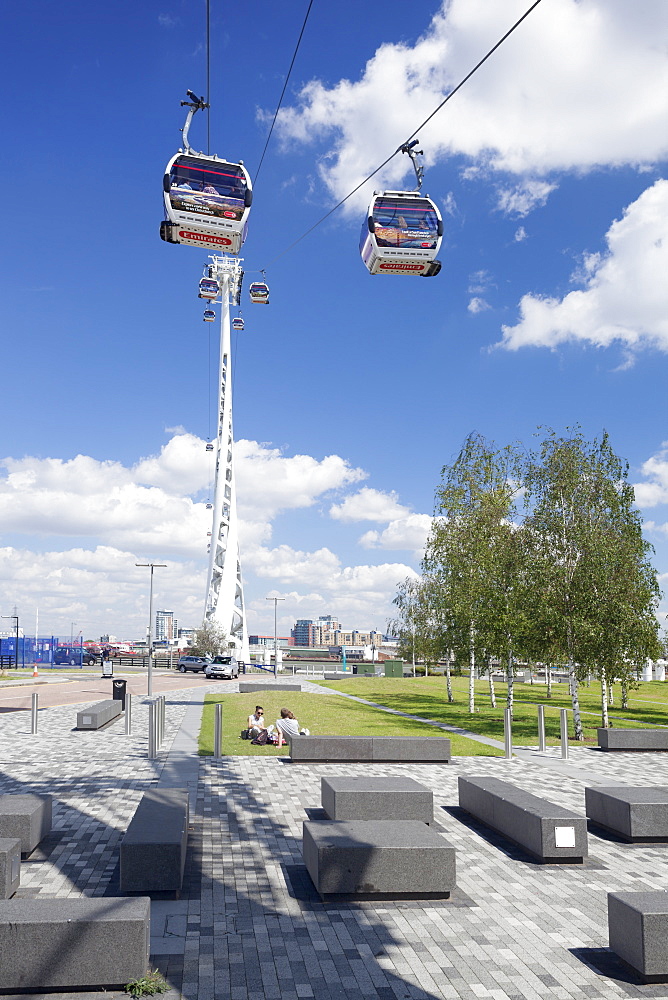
x: 321, y: 713
x: 426, y: 696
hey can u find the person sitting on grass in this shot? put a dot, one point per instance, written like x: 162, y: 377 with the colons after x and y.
x: 286, y: 726
x: 256, y: 722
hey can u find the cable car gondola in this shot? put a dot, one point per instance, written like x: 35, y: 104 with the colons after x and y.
x: 209, y: 315
x: 209, y: 446
x: 207, y: 199
x: 402, y: 231
x: 238, y: 323
x: 208, y: 288
x: 259, y: 292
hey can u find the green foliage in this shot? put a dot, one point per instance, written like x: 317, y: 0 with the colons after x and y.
x: 147, y: 985
x: 210, y: 640
x: 536, y: 556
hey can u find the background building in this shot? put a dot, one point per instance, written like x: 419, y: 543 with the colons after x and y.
x: 166, y: 626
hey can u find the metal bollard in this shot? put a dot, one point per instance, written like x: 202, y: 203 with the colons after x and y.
x: 164, y: 712
x: 218, y: 732
x: 128, y: 714
x: 508, y: 732
x: 152, y: 731
x: 563, y: 712
x: 541, y: 729
x: 34, y: 709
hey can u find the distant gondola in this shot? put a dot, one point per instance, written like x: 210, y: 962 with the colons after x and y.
x: 238, y: 323
x: 209, y: 446
x: 209, y: 315
x: 259, y: 292
x: 208, y: 288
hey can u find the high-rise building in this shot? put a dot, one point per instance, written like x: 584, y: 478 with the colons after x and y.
x: 166, y: 626
x: 304, y: 632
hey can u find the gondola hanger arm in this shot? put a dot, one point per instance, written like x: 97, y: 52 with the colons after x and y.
x: 194, y: 104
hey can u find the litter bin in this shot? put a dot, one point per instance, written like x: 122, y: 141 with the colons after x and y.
x: 118, y: 687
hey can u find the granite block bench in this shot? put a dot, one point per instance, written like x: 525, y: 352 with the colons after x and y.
x: 26, y: 817
x: 632, y: 739
x: 10, y: 866
x: 362, y: 749
x: 353, y: 798
x: 99, y: 715
x: 376, y: 858
x: 635, y: 813
x: 251, y: 687
x: 68, y: 944
x: 545, y: 830
x: 638, y: 932
x: 153, y: 850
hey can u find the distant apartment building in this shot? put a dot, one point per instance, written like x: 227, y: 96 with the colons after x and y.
x: 327, y: 631
x: 166, y: 626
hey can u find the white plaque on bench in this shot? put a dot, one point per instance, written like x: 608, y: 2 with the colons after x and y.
x: 86, y: 720
x: 564, y: 836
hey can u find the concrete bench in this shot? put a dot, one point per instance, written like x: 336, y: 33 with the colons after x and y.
x: 10, y: 866
x: 26, y: 817
x: 98, y: 715
x: 638, y: 932
x: 378, y: 858
x: 547, y: 831
x: 352, y: 798
x: 635, y: 813
x: 67, y: 944
x: 632, y: 739
x: 153, y: 850
x: 250, y: 687
x: 361, y: 749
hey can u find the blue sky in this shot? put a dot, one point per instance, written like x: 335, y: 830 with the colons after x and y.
x: 351, y: 391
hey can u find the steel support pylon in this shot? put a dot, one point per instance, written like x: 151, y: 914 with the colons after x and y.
x: 224, y: 592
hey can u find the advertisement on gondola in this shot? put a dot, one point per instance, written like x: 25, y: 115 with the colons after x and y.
x: 404, y: 224
x: 217, y: 193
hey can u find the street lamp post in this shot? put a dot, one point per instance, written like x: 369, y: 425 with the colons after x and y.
x: 151, y: 566
x: 275, y: 600
x: 16, y: 650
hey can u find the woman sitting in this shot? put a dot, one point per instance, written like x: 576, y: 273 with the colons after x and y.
x: 256, y: 722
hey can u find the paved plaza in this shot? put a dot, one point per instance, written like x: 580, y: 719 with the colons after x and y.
x: 249, y: 924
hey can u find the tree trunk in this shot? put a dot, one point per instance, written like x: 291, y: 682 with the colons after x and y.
x: 492, y: 694
x: 448, y: 681
x: 548, y: 670
x: 471, y: 681
x: 611, y: 693
x: 573, y: 684
x: 625, y: 695
x: 604, y: 702
x: 511, y: 679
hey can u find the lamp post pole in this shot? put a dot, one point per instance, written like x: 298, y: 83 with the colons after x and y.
x: 15, y: 618
x: 275, y: 600
x: 151, y: 566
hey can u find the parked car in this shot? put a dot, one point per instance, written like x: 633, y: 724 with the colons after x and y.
x: 195, y: 663
x: 223, y: 668
x: 75, y: 656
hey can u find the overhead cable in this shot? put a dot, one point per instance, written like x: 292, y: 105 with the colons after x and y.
x: 411, y: 136
x: 285, y: 85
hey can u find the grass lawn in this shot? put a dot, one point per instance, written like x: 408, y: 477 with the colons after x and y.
x: 321, y: 713
x: 426, y: 696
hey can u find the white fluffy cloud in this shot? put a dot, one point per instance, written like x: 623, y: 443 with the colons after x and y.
x: 408, y: 532
x: 93, y: 520
x: 655, y: 490
x: 625, y: 298
x: 268, y: 481
x: 580, y: 84
x: 521, y: 199
x: 368, y: 505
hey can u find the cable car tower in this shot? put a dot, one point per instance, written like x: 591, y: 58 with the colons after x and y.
x: 224, y: 590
